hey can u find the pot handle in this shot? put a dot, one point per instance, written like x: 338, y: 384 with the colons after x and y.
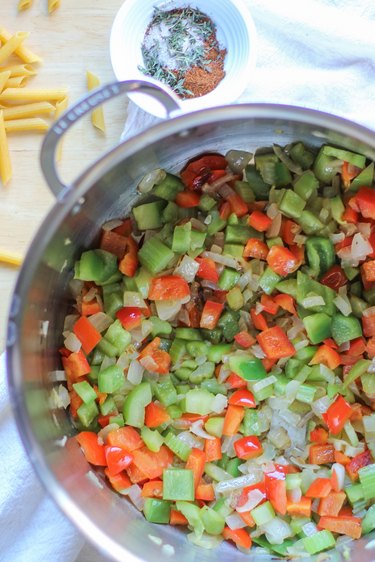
x: 160, y: 93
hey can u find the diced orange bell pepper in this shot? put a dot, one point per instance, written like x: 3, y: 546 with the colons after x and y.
x: 235, y: 381
x: 168, y: 287
x: 289, y: 229
x: 343, y: 525
x: 177, y: 518
x: 255, y: 249
x: 205, y: 492
x: 269, y: 304
x: 286, y: 302
x: 368, y: 270
x: 152, y: 489
x: 332, y: 504
x: 239, y: 536
x: 327, y: 356
x: 322, y: 454
x: 93, y: 451
x: 75, y: 366
x: 275, y: 343
x: 152, y: 464
x: 212, y: 449
x: 237, y: 204
x: 368, y: 324
x: 119, y: 482
x: 365, y: 199
x: 129, y: 263
x: 276, y: 492
x: 155, y: 415
x: 233, y: 419
x: 126, y: 437
x: 210, y: 314
x: 196, y: 462
x: 301, y: 508
x: 319, y: 488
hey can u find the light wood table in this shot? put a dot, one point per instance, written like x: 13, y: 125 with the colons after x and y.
x: 73, y: 39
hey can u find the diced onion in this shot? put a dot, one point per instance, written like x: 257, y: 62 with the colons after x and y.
x: 57, y: 376
x: 135, y: 495
x: 59, y: 397
x: 187, y: 269
x: 219, y: 403
x: 339, y: 470
x: 295, y: 495
x: 152, y: 178
x: 190, y: 439
x: 258, y: 351
x: 300, y: 240
x: 254, y: 497
x: 107, y: 362
x: 228, y: 442
x: 100, y: 321
x: 103, y: 433
x: 337, y: 237
x: 275, y: 227
x: 205, y: 541
x: 69, y: 322
x: 301, y: 344
x: 277, y: 530
x: 91, y: 293
x: 360, y: 247
x: 343, y: 304
x: 309, y: 529
x: 223, y: 374
x: 167, y: 310
x: 135, y: 372
x: 260, y: 385
x: 310, y: 302
x: 197, y: 428
x: 321, y: 405
x: 133, y: 298
x: 110, y: 225
x: 227, y: 486
x: 72, y: 343
x: 224, y: 260
x: 235, y: 521
x: 272, y: 211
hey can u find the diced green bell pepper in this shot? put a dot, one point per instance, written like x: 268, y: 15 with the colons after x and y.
x: 178, y: 484
x: 320, y: 254
x: 96, y: 265
x: 157, y: 511
x: 318, y: 327
x: 247, y: 367
x: 345, y: 328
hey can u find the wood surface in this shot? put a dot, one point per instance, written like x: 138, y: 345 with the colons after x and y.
x: 73, y: 39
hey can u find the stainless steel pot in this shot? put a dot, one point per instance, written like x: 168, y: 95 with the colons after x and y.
x: 107, y: 189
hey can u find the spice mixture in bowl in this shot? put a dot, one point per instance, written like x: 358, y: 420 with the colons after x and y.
x: 205, y: 53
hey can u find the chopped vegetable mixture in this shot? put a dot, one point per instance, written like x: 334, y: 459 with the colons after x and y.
x: 220, y: 355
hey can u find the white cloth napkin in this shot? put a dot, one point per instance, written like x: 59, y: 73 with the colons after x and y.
x: 313, y: 53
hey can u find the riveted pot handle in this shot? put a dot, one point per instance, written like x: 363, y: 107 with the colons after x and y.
x: 95, y: 98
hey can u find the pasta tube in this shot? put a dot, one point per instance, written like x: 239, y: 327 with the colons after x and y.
x: 22, y: 52
x: 12, y: 44
x: 29, y: 94
x: 19, y: 70
x: 97, y: 115
x: 27, y: 110
x: 16, y: 82
x: 24, y: 5
x: 53, y: 5
x: 21, y: 125
x: 5, y: 163
x: 4, y: 76
x: 10, y: 258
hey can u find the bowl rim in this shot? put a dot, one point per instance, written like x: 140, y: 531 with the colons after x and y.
x: 221, y: 94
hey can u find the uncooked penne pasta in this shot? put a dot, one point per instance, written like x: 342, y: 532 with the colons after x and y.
x: 53, y: 5
x: 22, y: 52
x: 23, y: 125
x: 24, y: 5
x: 97, y: 115
x: 12, y: 44
x: 5, y: 163
x: 19, y: 70
x: 31, y: 94
x: 4, y: 77
x: 10, y: 258
x: 61, y: 106
x: 16, y: 82
x: 28, y: 110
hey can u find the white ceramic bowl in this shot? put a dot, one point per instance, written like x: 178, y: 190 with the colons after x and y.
x: 235, y: 31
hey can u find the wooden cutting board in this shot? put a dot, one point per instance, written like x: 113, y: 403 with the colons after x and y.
x: 73, y: 39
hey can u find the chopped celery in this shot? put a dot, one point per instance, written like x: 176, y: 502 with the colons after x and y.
x: 199, y: 401
x: 178, y: 484
x: 322, y: 540
x: 149, y: 215
x: 179, y: 447
x: 154, y: 255
x: 263, y: 513
x: 367, y: 479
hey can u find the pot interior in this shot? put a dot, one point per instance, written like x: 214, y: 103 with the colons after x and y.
x: 42, y: 299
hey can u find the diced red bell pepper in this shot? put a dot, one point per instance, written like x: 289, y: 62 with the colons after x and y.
x: 93, y: 451
x: 75, y: 366
x: 168, y: 287
x: 152, y: 489
x: 152, y: 464
x: 177, y: 518
x: 129, y: 263
x: 337, y: 415
x: 286, y: 302
x: 334, y: 278
x: 255, y: 249
x: 119, y: 482
x: 237, y: 204
x: 350, y: 215
x: 225, y: 210
x: 281, y: 260
x: 196, y: 462
x: 319, y: 488
x: 212, y: 449
x: 368, y: 324
x: 198, y: 171
x: 117, y: 459
x: 332, y: 504
x: 91, y: 307
x: 269, y: 304
x: 155, y: 415
x: 75, y: 402
x: 258, y: 320
x: 260, y: 487
x: 289, y: 229
x: 260, y: 221
x: 365, y: 199
x: 87, y: 334
x: 125, y: 228
x: 113, y: 243
x: 207, y: 269
x: 240, y: 537
x: 205, y: 492
x: 210, y: 314
x: 126, y: 438
x: 233, y: 418
x: 319, y: 435
x: 130, y: 317
x: 244, y: 339
x: 368, y: 270
x: 235, y: 381
x: 343, y: 525
x: 242, y: 397
x: 358, y: 462
x: 348, y: 172
x: 275, y: 343
x: 187, y: 199
x: 276, y: 492
x: 248, y: 447
x: 322, y: 454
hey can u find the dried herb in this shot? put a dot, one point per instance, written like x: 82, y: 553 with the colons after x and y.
x: 181, y: 50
